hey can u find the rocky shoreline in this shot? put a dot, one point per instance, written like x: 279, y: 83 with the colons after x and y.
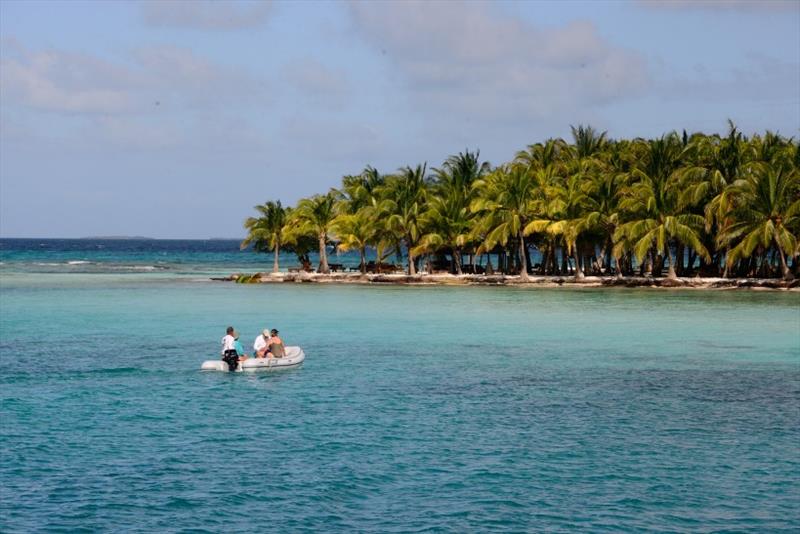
x: 501, y: 280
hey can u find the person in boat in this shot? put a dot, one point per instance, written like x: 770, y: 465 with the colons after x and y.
x: 261, y: 344
x: 229, y: 354
x: 237, y: 345
x: 276, y: 349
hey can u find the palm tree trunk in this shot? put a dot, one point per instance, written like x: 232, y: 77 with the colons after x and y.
x: 598, y: 264
x: 578, y: 271
x: 523, y: 265
x: 323, y: 254
x: 457, y: 260
x: 545, y: 259
x: 527, y: 250
x: 787, y: 274
x: 618, y: 262
x: 411, y: 267
x: 725, y: 270
x: 363, y: 265
x: 671, y: 274
x: 275, y: 267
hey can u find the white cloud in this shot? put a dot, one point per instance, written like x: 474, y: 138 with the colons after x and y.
x: 64, y: 82
x: 185, y: 78
x: 67, y: 82
x: 468, y: 58
x: 206, y: 14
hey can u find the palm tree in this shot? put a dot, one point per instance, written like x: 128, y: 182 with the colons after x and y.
x: 713, y: 164
x: 403, y: 204
x: 567, y: 203
x: 361, y: 190
x: 505, y: 206
x: 652, y: 204
x: 356, y: 231
x: 315, y: 216
x: 767, y: 206
x: 584, y: 166
x: 448, y: 218
x: 267, y: 231
x: 447, y: 222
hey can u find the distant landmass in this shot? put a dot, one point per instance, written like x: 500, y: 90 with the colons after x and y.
x: 120, y: 237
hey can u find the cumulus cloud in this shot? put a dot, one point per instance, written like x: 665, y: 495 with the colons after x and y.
x: 67, y: 82
x: 470, y: 59
x: 206, y: 14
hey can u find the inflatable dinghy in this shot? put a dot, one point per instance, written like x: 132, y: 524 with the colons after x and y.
x: 294, y: 358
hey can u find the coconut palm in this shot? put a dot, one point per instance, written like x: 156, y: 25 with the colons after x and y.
x: 361, y: 190
x: 402, y: 206
x: 767, y: 207
x: 448, y: 219
x: 712, y: 164
x: 505, y: 206
x: 315, y: 216
x: 447, y: 222
x: 653, y: 206
x: 356, y: 231
x: 267, y: 232
x: 568, y: 206
x: 567, y: 200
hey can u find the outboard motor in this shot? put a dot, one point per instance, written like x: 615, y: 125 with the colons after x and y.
x: 232, y: 359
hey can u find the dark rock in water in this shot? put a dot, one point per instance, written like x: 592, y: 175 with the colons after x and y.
x: 669, y: 282
x: 230, y: 278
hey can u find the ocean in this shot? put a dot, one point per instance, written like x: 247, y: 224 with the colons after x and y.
x: 453, y: 409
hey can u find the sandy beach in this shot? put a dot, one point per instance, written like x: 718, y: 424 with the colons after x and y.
x: 503, y: 280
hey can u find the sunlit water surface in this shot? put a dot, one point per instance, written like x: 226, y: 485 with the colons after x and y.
x: 455, y: 409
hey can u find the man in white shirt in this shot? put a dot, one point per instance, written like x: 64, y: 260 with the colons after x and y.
x: 261, y: 344
x: 229, y: 354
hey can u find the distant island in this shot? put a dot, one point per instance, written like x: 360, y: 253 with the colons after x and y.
x: 121, y: 238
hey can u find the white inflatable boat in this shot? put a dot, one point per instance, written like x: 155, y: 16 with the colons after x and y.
x: 294, y: 358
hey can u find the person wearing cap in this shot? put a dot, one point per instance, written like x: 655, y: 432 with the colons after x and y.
x: 261, y: 344
x: 276, y: 349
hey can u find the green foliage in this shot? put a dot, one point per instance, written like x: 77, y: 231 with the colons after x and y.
x: 730, y: 200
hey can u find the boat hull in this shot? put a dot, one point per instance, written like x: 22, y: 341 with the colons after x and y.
x: 294, y: 358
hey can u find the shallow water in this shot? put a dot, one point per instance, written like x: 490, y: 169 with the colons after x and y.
x: 418, y: 408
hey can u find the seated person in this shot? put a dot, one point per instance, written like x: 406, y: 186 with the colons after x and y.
x: 237, y: 345
x: 261, y: 344
x: 276, y: 349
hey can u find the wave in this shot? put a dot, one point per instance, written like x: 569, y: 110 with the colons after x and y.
x: 139, y: 267
x: 100, y: 266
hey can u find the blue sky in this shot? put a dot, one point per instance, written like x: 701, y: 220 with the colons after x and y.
x: 173, y: 118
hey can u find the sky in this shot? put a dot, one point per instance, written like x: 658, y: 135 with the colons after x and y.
x: 172, y: 119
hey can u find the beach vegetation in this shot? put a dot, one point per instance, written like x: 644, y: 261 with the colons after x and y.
x: 683, y: 204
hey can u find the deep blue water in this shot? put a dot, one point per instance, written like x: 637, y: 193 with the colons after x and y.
x: 171, y: 256
x: 418, y: 408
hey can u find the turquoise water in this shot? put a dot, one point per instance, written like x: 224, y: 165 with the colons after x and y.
x: 176, y: 257
x: 418, y: 408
